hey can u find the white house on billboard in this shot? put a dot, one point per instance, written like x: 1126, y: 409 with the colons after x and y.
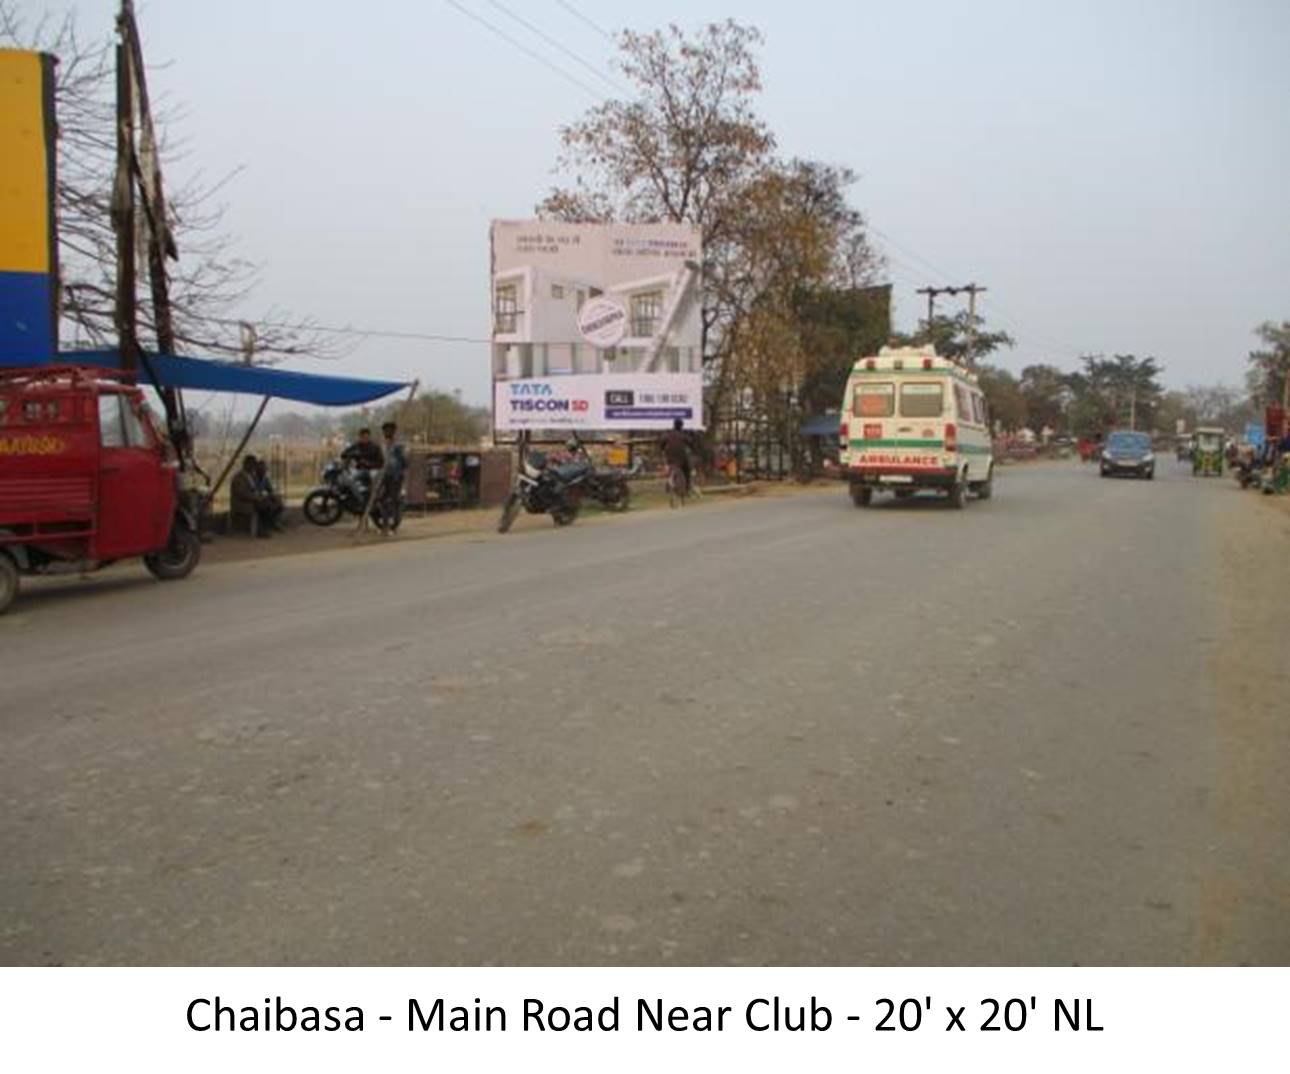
x: 536, y: 325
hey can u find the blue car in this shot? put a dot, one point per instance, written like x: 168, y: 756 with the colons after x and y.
x: 1128, y: 452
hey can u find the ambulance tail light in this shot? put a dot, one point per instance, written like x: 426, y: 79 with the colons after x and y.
x: 951, y: 437
x: 870, y: 364
x: 843, y: 430
x: 927, y: 363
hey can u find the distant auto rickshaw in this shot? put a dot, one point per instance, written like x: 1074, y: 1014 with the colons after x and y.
x: 1207, y: 454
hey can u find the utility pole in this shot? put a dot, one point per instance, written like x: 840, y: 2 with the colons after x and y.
x: 971, y: 290
x: 123, y: 216
x: 931, y: 293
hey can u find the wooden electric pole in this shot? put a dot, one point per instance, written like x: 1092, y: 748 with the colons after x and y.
x: 126, y: 313
x: 971, y: 290
x: 931, y: 293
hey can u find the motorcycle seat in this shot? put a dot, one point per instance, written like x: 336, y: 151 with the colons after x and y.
x: 568, y: 471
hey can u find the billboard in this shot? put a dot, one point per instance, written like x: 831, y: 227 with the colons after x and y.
x: 595, y: 326
x: 605, y: 401
x: 28, y: 242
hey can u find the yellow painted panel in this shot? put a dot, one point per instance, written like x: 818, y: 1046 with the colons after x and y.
x: 24, y: 165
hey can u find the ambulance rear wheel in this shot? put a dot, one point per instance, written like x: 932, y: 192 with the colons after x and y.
x: 958, y: 494
x: 860, y: 495
x: 8, y: 581
x: 986, y: 488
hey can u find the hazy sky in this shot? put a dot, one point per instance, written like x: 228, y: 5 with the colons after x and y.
x: 1115, y: 172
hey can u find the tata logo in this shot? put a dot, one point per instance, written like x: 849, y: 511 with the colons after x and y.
x: 531, y: 389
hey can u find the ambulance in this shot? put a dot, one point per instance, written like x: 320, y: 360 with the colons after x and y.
x: 913, y: 420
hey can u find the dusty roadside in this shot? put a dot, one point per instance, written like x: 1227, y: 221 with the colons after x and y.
x: 1245, y: 911
x: 303, y: 538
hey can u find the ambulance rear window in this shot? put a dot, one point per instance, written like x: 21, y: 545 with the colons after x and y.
x: 921, y: 400
x: 875, y: 400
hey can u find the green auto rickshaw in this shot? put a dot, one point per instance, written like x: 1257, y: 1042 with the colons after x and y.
x: 1207, y: 455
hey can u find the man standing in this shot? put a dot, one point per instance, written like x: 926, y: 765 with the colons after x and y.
x: 389, y: 499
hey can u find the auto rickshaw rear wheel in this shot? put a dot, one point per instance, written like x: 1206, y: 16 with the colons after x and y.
x: 8, y: 581
x: 178, y: 558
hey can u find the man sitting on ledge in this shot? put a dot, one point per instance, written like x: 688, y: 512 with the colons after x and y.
x: 249, y: 506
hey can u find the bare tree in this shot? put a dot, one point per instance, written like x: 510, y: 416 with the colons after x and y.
x: 209, y: 282
x: 682, y: 150
x: 688, y: 147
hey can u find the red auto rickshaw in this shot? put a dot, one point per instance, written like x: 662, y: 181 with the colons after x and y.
x: 85, y: 479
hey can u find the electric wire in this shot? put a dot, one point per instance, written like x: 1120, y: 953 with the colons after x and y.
x: 618, y: 86
x: 386, y: 333
x: 525, y: 49
x: 583, y: 18
x: 911, y: 266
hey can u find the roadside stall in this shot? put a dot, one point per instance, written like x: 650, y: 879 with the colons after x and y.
x: 445, y: 477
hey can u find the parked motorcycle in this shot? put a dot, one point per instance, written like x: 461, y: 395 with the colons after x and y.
x: 1249, y: 473
x: 608, y: 487
x: 542, y: 487
x: 345, y: 490
x: 1248, y: 469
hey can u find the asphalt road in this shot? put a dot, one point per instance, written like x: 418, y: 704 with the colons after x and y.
x: 768, y: 731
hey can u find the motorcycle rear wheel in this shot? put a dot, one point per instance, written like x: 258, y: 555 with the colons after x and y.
x: 323, y: 507
x: 617, y: 496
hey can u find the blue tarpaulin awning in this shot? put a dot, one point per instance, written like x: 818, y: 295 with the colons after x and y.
x: 203, y: 374
x: 821, y: 425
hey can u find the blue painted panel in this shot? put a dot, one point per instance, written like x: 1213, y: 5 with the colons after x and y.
x: 26, y: 318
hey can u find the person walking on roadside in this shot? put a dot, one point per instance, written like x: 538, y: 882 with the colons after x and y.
x: 676, y: 451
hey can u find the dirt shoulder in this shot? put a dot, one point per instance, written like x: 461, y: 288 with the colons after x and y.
x: 302, y: 538
x: 1246, y: 896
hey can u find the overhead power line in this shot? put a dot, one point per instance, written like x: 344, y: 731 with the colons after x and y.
x: 386, y: 333
x: 583, y: 18
x: 999, y: 312
x: 526, y: 50
x: 618, y: 86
